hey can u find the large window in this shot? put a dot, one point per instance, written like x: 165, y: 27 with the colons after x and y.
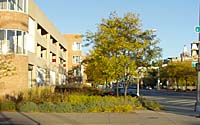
x: 17, y: 5
x: 12, y: 41
x: 40, y: 76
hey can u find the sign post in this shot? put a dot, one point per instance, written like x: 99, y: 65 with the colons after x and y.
x: 197, y: 29
x: 197, y: 104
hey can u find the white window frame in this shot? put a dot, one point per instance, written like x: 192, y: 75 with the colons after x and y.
x: 24, y: 6
x: 74, y: 59
x: 76, y: 46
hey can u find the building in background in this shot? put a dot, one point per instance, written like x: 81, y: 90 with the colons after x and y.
x: 40, y: 52
x: 75, y: 57
x: 184, y: 56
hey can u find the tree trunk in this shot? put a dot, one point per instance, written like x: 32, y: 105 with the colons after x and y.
x: 117, y: 89
x: 186, y: 85
x: 106, y: 82
x: 125, y: 91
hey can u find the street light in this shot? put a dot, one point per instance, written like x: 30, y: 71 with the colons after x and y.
x: 195, y: 47
x: 197, y: 104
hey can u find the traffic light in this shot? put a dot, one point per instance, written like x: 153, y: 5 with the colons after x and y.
x: 195, y: 51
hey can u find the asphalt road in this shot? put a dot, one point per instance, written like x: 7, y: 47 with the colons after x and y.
x: 181, y: 103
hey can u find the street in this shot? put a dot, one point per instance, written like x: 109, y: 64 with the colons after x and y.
x: 179, y: 110
x: 181, y: 103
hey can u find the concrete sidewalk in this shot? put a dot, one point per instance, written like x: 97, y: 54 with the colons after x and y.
x: 141, y: 117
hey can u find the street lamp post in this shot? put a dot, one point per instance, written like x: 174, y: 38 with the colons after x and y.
x: 158, y: 83
x: 196, y: 58
x: 197, y: 104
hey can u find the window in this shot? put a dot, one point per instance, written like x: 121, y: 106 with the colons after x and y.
x: 3, y: 43
x: 11, y: 4
x: 12, y: 41
x: 76, y: 59
x: 17, y: 5
x: 76, y: 46
x: 25, y: 6
x: 10, y: 38
x: 76, y: 72
x: 40, y: 76
x: 3, y: 4
x: 20, y: 5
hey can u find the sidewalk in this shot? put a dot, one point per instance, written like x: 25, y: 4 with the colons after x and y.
x: 140, y: 117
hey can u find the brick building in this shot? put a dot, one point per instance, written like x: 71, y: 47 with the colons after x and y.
x: 40, y: 53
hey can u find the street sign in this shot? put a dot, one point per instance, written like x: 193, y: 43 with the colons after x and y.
x: 197, y: 29
x: 194, y: 64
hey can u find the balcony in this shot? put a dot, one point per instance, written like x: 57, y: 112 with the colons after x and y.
x: 62, y: 55
x: 41, y: 40
x: 53, y: 48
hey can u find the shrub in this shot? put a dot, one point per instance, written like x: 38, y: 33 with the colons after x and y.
x: 107, y: 109
x: 47, y: 107
x: 7, y: 105
x: 79, y: 108
x: 29, y: 107
x: 95, y: 109
x: 123, y: 108
x: 63, y: 107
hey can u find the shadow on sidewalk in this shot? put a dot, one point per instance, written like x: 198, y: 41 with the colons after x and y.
x: 28, y: 117
x: 4, y: 118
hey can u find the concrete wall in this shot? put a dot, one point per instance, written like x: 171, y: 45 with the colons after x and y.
x: 35, y: 13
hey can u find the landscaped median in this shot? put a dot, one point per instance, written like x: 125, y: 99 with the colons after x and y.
x: 66, y: 103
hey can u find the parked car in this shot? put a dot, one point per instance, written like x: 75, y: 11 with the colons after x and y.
x: 148, y: 87
x: 113, y: 91
x: 108, y: 92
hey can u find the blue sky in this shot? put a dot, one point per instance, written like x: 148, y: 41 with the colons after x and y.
x: 174, y: 19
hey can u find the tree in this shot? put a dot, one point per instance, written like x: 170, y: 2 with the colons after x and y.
x: 120, y: 47
x: 179, y: 72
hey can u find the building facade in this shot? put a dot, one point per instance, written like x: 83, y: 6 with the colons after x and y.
x: 75, y: 69
x: 39, y: 51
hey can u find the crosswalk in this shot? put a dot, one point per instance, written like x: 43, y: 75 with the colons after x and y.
x: 176, y: 105
x: 174, y: 101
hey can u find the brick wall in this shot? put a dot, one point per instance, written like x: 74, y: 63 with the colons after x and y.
x: 71, y: 38
x: 19, y: 80
x: 13, y: 20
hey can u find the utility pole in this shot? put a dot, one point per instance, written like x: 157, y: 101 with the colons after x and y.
x: 197, y: 104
